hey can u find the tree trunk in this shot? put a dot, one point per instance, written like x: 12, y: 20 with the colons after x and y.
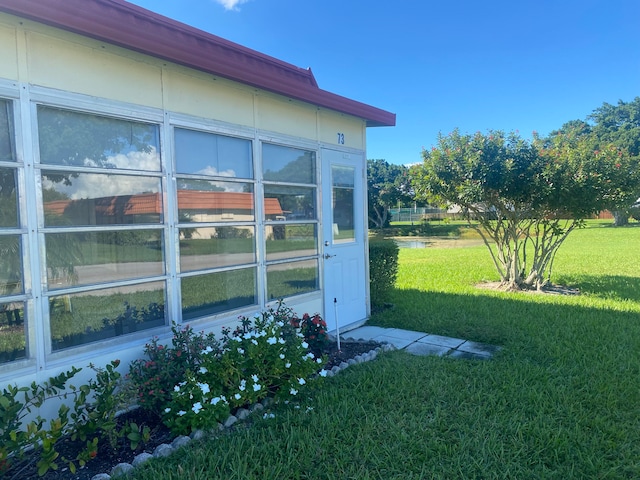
x: 620, y: 218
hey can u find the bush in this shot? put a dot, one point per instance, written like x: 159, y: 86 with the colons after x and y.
x: 264, y: 356
x: 152, y: 378
x: 383, y: 270
x: 90, y: 416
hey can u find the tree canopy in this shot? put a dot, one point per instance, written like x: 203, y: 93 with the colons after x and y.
x: 387, y: 185
x: 617, y: 125
x: 525, y: 197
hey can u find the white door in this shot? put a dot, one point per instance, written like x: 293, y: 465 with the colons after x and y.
x: 344, y: 238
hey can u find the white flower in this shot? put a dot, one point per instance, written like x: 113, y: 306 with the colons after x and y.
x: 167, y: 410
x: 271, y: 340
x: 287, y: 365
x: 281, y: 341
x: 293, y: 391
x: 176, y: 388
x: 255, y: 378
x: 271, y: 318
x: 282, y: 356
x: 204, y: 387
x: 237, y: 396
x: 207, y: 350
x: 323, y: 373
x: 318, y: 360
x: 203, y: 370
x: 196, y: 407
x: 215, y: 400
x: 305, y: 345
x: 268, y: 415
x: 243, y: 385
x: 301, y: 381
x: 256, y: 387
x: 254, y: 341
x: 309, y: 355
x: 181, y: 413
x: 240, y: 351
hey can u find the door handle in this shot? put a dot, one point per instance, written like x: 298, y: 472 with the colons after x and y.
x: 327, y: 255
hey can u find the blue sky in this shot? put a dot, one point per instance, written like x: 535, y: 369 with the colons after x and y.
x: 498, y: 64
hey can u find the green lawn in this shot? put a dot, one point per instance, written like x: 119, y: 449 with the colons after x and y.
x: 561, y: 400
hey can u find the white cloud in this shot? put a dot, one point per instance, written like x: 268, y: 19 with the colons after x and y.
x: 231, y: 4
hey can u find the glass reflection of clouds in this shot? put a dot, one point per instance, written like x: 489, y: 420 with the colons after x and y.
x: 208, y: 154
x: 78, y: 186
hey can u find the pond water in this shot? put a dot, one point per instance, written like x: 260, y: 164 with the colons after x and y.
x: 436, y: 242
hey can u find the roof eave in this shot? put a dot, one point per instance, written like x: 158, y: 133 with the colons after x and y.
x: 126, y: 25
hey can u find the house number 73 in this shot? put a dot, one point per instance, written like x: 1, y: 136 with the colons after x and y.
x: 340, y: 138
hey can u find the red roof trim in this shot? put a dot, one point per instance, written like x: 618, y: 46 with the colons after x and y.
x: 121, y: 23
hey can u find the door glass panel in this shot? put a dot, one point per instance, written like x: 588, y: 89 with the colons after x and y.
x: 86, y: 140
x: 210, y: 201
x: 289, y: 203
x: 211, y: 247
x: 87, y: 317
x: 7, y: 150
x: 10, y: 265
x: 72, y: 198
x: 343, y: 181
x: 218, y: 292
x: 289, y: 241
x: 292, y: 278
x: 8, y: 198
x: 286, y: 164
x: 84, y: 258
x: 12, y: 332
x: 202, y: 153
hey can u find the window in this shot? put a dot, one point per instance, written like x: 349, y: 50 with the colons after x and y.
x: 103, y: 220
x: 12, y: 308
x: 291, y: 220
x: 217, y: 222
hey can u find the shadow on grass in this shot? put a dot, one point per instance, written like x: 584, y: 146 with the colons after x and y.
x: 605, y: 286
x: 523, y: 324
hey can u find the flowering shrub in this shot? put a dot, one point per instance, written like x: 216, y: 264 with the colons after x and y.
x: 152, y: 378
x: 263, y: 357
x: 314, y: 330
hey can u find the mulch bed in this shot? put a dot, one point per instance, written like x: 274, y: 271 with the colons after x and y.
x: 107, y: 458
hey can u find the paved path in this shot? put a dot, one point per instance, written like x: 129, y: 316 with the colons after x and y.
x: 420, y: 343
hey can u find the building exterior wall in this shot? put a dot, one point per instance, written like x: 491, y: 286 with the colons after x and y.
x: 46, y: 70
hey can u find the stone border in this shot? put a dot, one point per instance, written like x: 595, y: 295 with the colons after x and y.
x: 166, y: 449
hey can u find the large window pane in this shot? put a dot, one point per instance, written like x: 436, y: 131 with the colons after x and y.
x: 211, y: 247
x: 286, y: 164
x: 218, y: 292
x: 72, y: 198
x: 201, y: 201
x: 343, y: 181
x: 96, y: 257
x: 10, y: 265
x: 85, y: 140
x: 7, y: 150
x: 289, y: 203
x: 8, y: 197
x: 293, y: 278
x: 202, y: 153
x: 288, y: 241
x: 12, y: 332
x: 92, y: 316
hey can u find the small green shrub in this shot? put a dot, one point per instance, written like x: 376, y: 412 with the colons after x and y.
x: 383, y: 270
x: 91, y: 415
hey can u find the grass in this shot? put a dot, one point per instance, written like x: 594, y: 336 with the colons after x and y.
x: 559, y: 401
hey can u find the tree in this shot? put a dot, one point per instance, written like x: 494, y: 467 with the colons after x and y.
x: 525, y: 197
x: 387, y: 185
x: 620, y: 125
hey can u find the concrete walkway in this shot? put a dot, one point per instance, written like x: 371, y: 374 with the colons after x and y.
x: 419, y: 343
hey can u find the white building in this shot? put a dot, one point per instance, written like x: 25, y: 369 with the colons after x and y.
x: 153, y: 173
